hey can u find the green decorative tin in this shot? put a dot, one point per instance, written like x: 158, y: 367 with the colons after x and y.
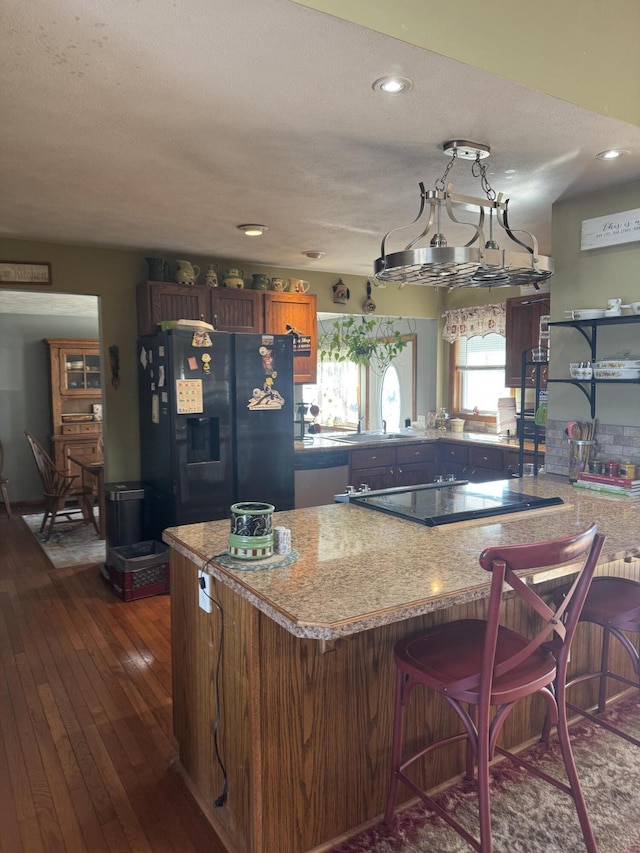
x: 251, y: 536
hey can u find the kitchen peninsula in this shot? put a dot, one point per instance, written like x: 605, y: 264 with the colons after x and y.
x: 306, y: 679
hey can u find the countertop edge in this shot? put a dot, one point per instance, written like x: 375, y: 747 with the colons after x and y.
x: 287, y: 603
x: 332, y: 631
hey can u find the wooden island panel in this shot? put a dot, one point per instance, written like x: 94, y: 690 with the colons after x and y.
x: 305, y: 733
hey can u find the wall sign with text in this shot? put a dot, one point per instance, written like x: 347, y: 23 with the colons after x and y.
x: 610, y: 230
x: 17, y: 272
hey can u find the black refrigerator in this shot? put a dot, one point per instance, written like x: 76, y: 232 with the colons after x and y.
x: 216, y: 424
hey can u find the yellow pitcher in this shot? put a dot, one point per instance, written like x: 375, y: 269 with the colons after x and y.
x: 186, y: 272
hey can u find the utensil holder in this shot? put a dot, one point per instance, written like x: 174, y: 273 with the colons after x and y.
x: 579, y: 458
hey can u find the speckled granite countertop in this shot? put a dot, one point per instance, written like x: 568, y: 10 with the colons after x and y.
x: 358, y: 568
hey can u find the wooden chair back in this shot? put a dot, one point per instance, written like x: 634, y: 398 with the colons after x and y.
x: 557, y: 626
x: 55, y: 483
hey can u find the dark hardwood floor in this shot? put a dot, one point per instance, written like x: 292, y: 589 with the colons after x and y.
x: 86, y: 743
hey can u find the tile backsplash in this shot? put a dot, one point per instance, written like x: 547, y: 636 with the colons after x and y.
x: 621, y: 443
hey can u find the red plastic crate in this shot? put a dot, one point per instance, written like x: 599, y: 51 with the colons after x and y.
x: 140, y: 570
x: 141, y: 583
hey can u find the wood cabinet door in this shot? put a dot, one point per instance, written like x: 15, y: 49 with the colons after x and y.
x: 453, y: 458
x: 415, y: 464
x: 375, y: 478
x: 373, y: 466
x: 485, y: 464
x: 415, y: 473
x: 295, y: 313
x: 63, y: 447
x: 163, y: 300
x: 522, y: 332
x: 237, y: 310
x: 512, y: 462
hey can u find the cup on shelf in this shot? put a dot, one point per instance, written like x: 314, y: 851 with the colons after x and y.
x: 539, y: 354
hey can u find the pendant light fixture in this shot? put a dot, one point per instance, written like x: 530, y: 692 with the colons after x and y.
x: 480, y: 262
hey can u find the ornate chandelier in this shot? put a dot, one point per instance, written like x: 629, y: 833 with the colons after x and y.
x: 478, y: 263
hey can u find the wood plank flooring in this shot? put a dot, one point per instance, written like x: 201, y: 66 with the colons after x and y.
x: 86, y: 743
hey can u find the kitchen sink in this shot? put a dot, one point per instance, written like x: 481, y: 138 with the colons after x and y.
x: 360, y: 437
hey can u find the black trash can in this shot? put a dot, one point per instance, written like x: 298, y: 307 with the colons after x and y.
x: 124, y: 508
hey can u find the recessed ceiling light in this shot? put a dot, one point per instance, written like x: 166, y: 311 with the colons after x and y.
x: 314, y: 255
x: 392, y: 85
x: 253, y: 230
x: 611, y: 154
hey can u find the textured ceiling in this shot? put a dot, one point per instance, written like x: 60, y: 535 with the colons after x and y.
x: 67, y: 305
x: 160, y: 127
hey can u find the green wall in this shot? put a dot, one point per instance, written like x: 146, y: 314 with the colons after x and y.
x: 581, y: 51
x: 586, y: 279
x: 112, y: 275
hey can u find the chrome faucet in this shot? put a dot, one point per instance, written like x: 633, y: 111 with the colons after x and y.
x: 384, y: 426
x: 360, y: 422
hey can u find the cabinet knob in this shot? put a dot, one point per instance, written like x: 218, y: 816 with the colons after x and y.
x: 485, y: 458
x: 373, y: 458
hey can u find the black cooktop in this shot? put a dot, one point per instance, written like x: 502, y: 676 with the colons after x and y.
x: 444, y: 503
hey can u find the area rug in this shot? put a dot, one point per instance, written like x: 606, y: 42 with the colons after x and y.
x: 70, y: 543
x: 528, y: 815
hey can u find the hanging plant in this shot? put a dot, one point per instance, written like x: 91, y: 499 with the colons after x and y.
x: 374, y: 341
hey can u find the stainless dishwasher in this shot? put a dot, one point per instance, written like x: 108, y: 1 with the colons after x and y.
x: 319, y: 475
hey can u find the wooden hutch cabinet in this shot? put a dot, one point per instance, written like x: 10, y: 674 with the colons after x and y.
x: 230, y: 310
x: 75, y: 386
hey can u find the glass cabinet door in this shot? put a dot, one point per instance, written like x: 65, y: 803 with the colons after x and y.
x: 80, y: 373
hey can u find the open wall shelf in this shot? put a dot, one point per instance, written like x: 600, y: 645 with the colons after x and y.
x: 589, y: 331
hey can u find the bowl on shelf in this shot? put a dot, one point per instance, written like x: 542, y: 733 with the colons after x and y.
x: 587, y: 313
x: 578, y: 371
x: 616, y: 372
x: 617, y: 363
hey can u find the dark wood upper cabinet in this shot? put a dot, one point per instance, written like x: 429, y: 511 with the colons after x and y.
x: 243, y: 310
x: 236, y: 310
x: 522, y: 331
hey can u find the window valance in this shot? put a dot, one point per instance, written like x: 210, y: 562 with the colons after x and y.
x: 480, y: 320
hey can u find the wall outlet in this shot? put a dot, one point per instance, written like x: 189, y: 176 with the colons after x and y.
x: 204, y: 602
x: 421, y: 420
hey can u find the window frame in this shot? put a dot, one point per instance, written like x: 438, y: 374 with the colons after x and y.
x: 455, y: 390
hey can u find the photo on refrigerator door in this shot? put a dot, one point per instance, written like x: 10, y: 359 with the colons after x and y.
x: 267, y: 397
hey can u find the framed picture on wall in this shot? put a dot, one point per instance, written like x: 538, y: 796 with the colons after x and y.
x: 20, y: 272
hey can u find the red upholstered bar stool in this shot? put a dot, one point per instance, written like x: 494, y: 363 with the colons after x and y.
x: 478, y: 665
x: 614, y: 604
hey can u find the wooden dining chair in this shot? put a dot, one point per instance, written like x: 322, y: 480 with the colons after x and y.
x: 57, y: 486
x: 3, y: 484
x: 477, y: 665
x: 613, y: 603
